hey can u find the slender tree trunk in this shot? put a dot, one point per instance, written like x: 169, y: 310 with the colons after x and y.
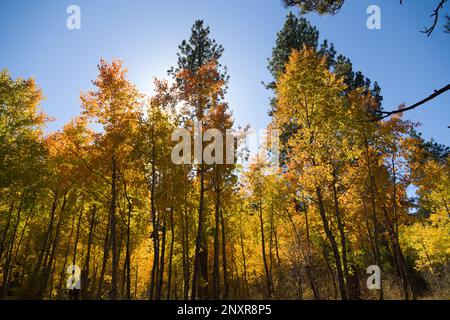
x: 155, y: 233
x: 271, y: 231
x: 172, y: 241
x: 244, y: 261
x: 49, y: 261
x: 86, y: 269
x: 224, y: 258
x: 404, y: 274
x: 8, y: 266
x: 343, y: 240
x: 43, y: 250
x: 200, y: 273
x: 263, y: 251
x: 62, y: 277
x: 162, y: 260
x: 136, y: 282
x: 334, y: 247
x: 113, y: 229
x: 5, y: 231
x: 277, y: 252
x: 430, y: 266
x: 106, y: 246
x: 369, y: 230
x: 24, y: 228
x: 128, y: 252
x: 307, y: 256
x: 216, y: 281
x: 374, y: 215
x: 330, y: 269
x: 186, y: 271
x: 77, y: 236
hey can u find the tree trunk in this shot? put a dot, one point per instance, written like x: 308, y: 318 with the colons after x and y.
x: 224, y: 258
x: 62, y: 276
x: 263, y: 251
x: 306, y: 257
x: 172, y: 240
x: 9, y: 254
x: 374, y: 215
x: 216, y: 281
x: 128, y: 252
x: 5, y: 231
x: 162, y: 260
x: 43, y: 250
x: 186, y: 271
x: 106, y: 246
x: 334, y: 247
x: 244, y: 261
x: 85, y: 272
x: 200, y: 274
x: 49, y: 261
x: 343, y: 239
x: 113, y: 229
x: 155, y: 232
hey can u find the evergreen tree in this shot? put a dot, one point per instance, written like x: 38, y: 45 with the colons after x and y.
x: 202, y: 84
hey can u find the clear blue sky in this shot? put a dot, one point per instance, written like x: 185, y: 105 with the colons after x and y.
x: 146, y: 33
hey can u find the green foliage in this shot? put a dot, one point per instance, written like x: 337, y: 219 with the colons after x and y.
x: 319, y: 6
x: 296, y: 33
x: 21, y: 124
x: 197, y: 51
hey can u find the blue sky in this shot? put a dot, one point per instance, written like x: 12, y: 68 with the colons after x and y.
x: 146, y: 34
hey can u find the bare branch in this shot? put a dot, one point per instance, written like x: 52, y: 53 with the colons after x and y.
x: 435, y: 15
x: 403, y: 109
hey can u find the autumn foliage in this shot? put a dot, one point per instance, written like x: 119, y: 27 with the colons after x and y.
x: 103, y: 194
